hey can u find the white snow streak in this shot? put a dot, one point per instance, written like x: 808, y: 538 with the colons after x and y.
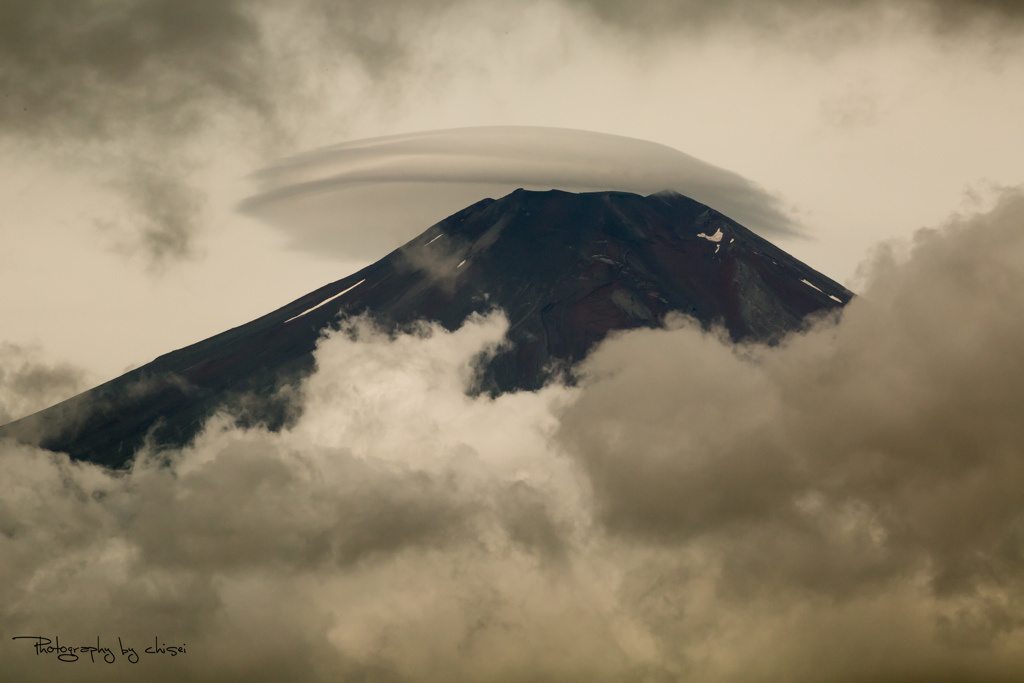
x: 434, y: 240
x: 810, y: 285
x: 325, y: 301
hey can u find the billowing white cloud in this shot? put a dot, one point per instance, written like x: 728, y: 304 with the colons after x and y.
x: 362, y: 199
x: 843, y: 506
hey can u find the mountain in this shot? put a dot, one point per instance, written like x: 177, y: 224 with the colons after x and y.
x: 566, y: 268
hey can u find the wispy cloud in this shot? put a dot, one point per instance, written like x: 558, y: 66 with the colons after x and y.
x: 28, y: 384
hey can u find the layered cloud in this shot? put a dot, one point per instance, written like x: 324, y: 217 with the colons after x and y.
x: 843, y: 506
x: 174, y: 84
x: 360, y: 199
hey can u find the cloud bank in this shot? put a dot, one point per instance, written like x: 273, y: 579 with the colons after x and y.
x: 364, y: 198
x: 93, y: 69
x: 89, y: 68
x: 841, y: 507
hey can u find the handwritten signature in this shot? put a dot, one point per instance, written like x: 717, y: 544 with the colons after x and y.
x: 71, y: 653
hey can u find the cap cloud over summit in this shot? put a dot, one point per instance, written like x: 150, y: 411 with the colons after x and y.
x: 339, y: 199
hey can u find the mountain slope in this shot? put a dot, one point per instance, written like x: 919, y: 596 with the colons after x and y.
x: 566, y: 268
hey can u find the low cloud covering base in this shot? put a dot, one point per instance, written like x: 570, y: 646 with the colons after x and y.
x: 841, y: 507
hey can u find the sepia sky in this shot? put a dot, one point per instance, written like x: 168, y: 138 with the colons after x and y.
x: 132, y: 131
x: 842, y: 507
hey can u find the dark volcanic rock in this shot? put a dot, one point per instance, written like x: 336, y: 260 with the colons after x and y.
x: 566, y: 268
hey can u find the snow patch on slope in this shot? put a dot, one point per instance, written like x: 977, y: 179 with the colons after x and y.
x: 325, y: 301
x: 810, y: 285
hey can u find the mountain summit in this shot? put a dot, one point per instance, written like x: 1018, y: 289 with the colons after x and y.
x: 566, y: 268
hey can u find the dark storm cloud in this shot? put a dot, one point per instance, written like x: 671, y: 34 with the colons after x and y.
x: 131, y: 74
x: 159, y: 75
x: 155, y: 76
x: 950, y: 12
x: 844, y: 506
x: 98, y: 68
x: 95, y: 68
x: 872, y: 448
x: 655, y: 14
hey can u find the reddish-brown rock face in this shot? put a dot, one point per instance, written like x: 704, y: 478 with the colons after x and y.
x: 566, y: 268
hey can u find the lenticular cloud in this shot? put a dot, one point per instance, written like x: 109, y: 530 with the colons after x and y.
x: 362, y: 198
x: 843, y: 506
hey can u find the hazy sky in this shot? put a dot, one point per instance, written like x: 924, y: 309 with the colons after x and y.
x: 842, y: 507
x: 130, y: 130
